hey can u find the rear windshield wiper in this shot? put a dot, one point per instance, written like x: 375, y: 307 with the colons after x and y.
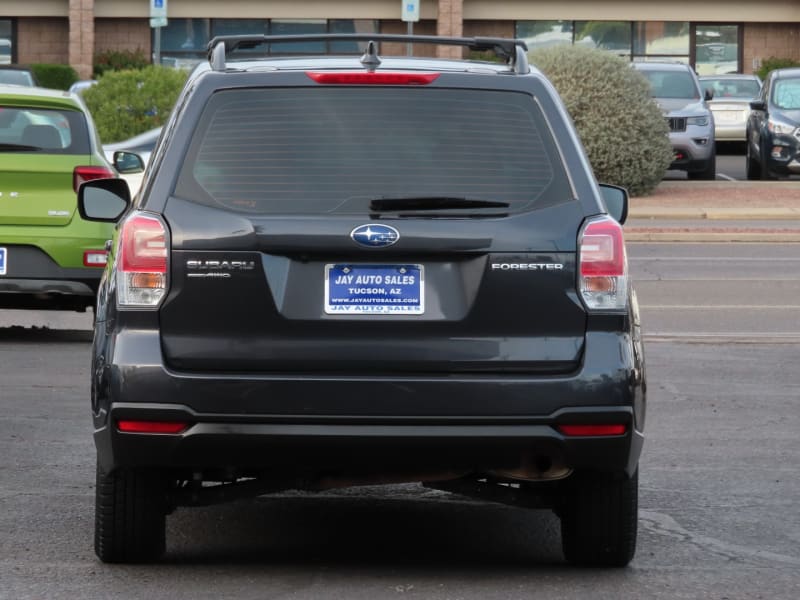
x: 415, y: 203
x: 20, y: 147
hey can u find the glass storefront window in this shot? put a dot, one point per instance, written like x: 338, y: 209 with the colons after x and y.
x: 351, y: 26
x: 242, y: 27
x: 637, y: 40
x: 185, y: 36
x: 184, y: 41
x: 661, y: 38
x: 6, y: 42
x: 614, y: 36
x: 716, y: 49
x: 297, y: 27
x: 543, y: 34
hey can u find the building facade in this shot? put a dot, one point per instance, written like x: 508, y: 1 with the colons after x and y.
x: 715, y: 36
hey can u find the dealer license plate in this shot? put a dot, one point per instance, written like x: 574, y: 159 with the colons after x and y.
x: 374, y: 289
x: 3, y: 261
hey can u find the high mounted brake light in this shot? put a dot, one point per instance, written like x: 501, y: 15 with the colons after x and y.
x: 143, y: 257
x: 603, y: 265
x: 372, y: 77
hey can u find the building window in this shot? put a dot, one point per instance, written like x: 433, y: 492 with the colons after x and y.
x: 185, y: 40
x: 614, y: 36
x: 6, y: 41
x: 710, y: 48
x: 661, y: 40
x: 717, y: 49
x: 543, y: 34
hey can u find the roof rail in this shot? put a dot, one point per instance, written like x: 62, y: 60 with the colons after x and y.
x: 512, y: 50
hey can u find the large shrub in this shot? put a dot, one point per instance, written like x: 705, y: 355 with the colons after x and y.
x: 57, y: 77
x: 127, y: 103
x: 772, y: 63
x: 119, y: 60
x: 622, y: 128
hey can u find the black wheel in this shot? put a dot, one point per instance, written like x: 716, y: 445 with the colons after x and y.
x: 130, y: 516
x: 753, y: 164
x: 765, y: 174
x: 709, y: 173
x: 599, y: 516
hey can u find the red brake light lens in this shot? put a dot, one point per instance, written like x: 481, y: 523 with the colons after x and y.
x: 152, y: 427
x: 142, y: 274
x: 602, y: 249
x: 144, y: 245
x: 375, y: 78
x: 592, y: 430
x: 603, y: 265
x: 87, y: 173
x: 95, y: 258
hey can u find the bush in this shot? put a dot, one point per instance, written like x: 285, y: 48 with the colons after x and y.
x: 622, y: 128
x: 772, y: 63
x: 127, y: 103
x: 57, y: 77
x: 119, y: 60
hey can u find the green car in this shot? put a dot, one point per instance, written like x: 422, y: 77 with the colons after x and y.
x: 50, y: 258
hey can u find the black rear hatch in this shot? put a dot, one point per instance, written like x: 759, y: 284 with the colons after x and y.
x: 373, y: 230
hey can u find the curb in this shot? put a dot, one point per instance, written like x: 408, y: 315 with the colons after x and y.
x: 716, y: 214
x: 665, y: 234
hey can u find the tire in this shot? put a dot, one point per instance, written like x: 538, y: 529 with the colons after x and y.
x: 130, y: 516
x: 599, y: 519
x: 753, y: 165
x: 765, y: 174
x: 709, y: 173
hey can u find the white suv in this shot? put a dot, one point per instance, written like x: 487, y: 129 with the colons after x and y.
x: 691, y: 123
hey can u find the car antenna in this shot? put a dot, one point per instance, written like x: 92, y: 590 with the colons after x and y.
x: 370, y: 59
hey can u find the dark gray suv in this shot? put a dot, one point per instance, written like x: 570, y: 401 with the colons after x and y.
x: 345, y: 271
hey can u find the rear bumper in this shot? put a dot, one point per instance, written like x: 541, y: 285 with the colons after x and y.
x: 347, y: 446
x: 693, y: 149
x: 35, y: 281
x: 382, y: 423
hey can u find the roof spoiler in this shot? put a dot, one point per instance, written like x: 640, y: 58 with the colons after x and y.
x: 513, y: 51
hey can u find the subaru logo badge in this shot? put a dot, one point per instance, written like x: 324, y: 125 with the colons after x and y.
x: 375, y: 236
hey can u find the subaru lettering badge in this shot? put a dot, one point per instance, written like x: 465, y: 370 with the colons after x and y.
x: 375, y: 236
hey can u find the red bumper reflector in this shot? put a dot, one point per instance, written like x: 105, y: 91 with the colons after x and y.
x: 375, y: 78
x: 151, y: 426
x: 589, y: 430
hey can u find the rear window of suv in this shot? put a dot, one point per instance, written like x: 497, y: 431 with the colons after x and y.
x: 332, y: 150
x: 41, y: 130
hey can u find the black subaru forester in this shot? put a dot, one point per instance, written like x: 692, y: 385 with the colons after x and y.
x: 343, y: 271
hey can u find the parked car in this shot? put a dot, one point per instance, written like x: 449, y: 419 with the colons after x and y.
x: 83, y: 84
x: 141, y: 145
x: 731, y: 103
x: 691, y: 123
x: 773, y: 129
x: 17, y: 75
x: 350, y: 271
x: 50, y: 258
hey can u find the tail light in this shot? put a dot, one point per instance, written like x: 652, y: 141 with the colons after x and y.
x: 603, y: 266
x: 83, y: 174
x: 95, y: 258
x: 142, y: 261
